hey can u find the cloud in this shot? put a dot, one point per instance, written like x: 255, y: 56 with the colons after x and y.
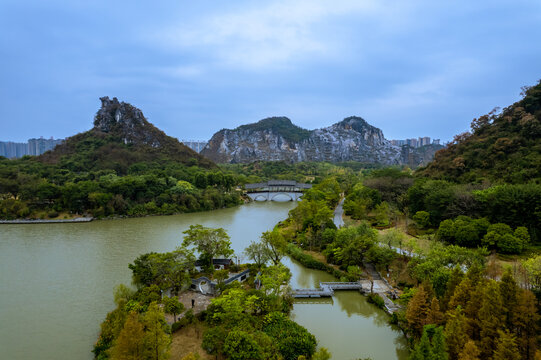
x: 266, y: 37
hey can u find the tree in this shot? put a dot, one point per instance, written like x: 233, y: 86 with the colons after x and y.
x: 321, y: 354
x: 525, y: 324
x: 422, y: 218
x: 258, y: 253
x: 439, y: 347
x: 156, y: 340
x: 213, y: 340
x: 129, y: 344
x: 208, y: 242
x: 275, y: 243
x: 423, y: 350
x: 456, y: 330
x: 533, y: 271
x: 417, y: 312
x: 470, y: 352
x: 509, y: 291
x: 172, y: 306
x: 491, y: 318
x: 506, y: 347
x: 241, y: 345
x: 435, y: 316
x: 273, y: 278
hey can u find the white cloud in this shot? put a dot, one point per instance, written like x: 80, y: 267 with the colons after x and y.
x: 268, y: 36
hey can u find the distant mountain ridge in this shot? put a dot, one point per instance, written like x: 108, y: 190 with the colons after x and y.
x: 278, y: 139
x: 120, y: 138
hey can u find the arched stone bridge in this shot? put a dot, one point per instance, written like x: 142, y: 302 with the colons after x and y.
x: 275, y: 190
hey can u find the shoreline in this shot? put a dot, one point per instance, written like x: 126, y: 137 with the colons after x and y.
x: 48, y: 221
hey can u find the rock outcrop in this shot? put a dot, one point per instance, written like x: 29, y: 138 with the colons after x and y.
x: 272, y: 139
x: 120, y: 138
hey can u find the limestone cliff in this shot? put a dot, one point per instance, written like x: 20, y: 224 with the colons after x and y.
x: 271, y: 139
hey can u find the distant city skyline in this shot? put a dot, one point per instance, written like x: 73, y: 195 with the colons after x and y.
x: 34, y: 146
x: 193, y: 68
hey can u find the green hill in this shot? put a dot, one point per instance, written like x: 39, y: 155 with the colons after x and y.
x: 504, y: 147
x: 121, y: 138
x: 123, y: 166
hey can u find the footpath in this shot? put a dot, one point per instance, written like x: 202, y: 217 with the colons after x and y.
x: 376, y: 283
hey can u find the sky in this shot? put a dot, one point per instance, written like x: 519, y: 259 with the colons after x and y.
x: 412, y: 68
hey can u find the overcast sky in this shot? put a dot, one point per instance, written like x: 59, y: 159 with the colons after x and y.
x: 412, y: 68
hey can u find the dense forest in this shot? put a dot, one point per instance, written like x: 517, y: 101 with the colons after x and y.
x: 501, y: 147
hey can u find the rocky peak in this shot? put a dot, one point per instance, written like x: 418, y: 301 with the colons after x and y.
x: 114, y: 115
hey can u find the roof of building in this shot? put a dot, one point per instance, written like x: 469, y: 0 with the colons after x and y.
x: 278, y: 183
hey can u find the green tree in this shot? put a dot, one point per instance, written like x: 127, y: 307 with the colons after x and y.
x: 321, y: 354
x: 423, y: 350
x: 470, y: 352
x: 439, y: 346
x: 156, y: 339
x: 129, y: 344
x: 506, y: 347
x: 213, y: 340
x: 275, y: 243
x: 456, y: 332
x: 258, y: 253
x: 241, y: 345
x: 491, y: 318
x: 210, y: 243
x: 422, y: 218
x: 172, y: 306
x: 525, y: 324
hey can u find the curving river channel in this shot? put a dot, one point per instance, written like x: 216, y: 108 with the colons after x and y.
x: 57, y: 280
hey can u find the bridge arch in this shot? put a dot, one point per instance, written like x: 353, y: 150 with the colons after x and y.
x: 282, y: 194
x: 261, y: 197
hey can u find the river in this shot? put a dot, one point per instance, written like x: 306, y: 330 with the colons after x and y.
x: 57, y: 280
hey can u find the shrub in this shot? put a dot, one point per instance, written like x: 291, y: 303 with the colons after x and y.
x: 179, y: 324
x: 375, y: 299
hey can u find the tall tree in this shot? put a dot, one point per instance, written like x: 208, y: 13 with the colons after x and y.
x: 439, y: 347
x: 491, y: 318
x: 423, y: 350
x: 156, y: 340
x: 417, y: 311
x: 456, y: 332
x: 525, y: 324
x: 129, y: 345
x: 506, y: 347
x: 509, y: 291
x: 470, y: 352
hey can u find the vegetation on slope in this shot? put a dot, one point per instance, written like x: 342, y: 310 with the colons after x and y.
x: 501, y: 147
x: 279, y: 125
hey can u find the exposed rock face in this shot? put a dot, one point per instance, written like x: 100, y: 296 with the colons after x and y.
x: 352, y: 139
x: 126, y: 121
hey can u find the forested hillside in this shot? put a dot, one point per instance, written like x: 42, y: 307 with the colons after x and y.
x: 124, y: 165
x: 502, y: 147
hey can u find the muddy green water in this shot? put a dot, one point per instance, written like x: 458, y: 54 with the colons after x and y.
x: 57, y: 280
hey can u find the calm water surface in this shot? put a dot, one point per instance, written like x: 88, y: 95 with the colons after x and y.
x: 57, y: 280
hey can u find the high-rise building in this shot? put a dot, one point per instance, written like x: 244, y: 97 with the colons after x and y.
x: 436, y: 141
x: 424, y: 141
x: 32, y: 147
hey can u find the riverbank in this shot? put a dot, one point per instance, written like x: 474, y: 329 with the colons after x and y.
x: 48, y: 221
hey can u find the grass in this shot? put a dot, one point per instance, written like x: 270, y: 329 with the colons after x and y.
x: 187, y: 340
